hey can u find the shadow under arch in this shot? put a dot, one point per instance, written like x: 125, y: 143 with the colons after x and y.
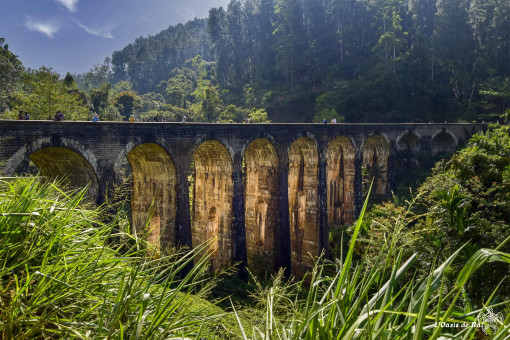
x: 213, y: 191
x: 340, y: 173
x: 69, y: 167
x: 409, y: 150
x: 443, y: 142
x: 153, y: 197
x: 261, y: 205
x: 376, y: 152
x: 303, y: 204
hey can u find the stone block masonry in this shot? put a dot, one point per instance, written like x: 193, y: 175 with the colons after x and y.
x: 263, y: 195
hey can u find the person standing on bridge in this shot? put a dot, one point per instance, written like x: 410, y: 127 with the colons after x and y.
x: 20, y: 115
x: 59, y: 116
x: 27, y: 116
x: 131, y: 118
x: 95, y: 118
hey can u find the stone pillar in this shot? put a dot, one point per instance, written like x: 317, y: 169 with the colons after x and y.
x: 283, y: 212
x: 106, y: 180
x: 182, y: 218
x: 238, y: 226
x: 322, y: 196
x: 358, y: 185
x: 390, y: 178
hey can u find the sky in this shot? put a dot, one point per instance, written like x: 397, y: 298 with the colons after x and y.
x: 73, y: 35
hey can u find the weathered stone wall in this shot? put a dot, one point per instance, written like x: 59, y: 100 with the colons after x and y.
x: 376, y: 151
x: 153, y: 199
x: 261, y: 205
x: 340, y: 181
x: 267, y: 189
x: 212, y: 202
x: 303, y: 204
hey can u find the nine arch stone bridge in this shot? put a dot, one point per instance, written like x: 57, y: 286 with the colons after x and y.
x: 264, y: 193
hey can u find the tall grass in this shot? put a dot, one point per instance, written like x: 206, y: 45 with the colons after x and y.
x: 65, y: 274
x: 340, y: 300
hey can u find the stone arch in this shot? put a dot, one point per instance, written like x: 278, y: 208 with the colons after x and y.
x: 153, y: 197
x: 340, y: 174
x: 68, y: 166
x: 409, y: 149
x: 303, y: 204
x: 443, y: 142
x: 376, y: 151
x: 261, y: 204
x: 213, y: 188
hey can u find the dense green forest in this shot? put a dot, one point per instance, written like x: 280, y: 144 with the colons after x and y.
x: 289, y: 60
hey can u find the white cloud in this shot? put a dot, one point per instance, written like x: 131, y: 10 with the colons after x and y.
x: 103, y: 32
x: 47, y: 28
x: 186, y: 13
x: 69, y: 4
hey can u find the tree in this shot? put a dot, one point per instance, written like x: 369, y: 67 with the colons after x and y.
x: 126, y: 102
x: 42, y: 93
x: 233, y: 114
x: 210, y: 104
x: 98, y: 75
x: 10, y: 72
x: 289, y: 45
x: 69, y: 82
x: 178, y: 89
x: 99, y: 97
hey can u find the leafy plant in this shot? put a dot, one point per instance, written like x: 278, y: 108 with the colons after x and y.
x: 64, y: 273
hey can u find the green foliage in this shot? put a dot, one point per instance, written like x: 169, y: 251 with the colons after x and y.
x: 328, y: 114
x: 66, y: 274
x: 69, y: 82
x: 42, y: 93
x: 10, y: 71
x: 99, y: 97
x: 259, y: 116
x: 126, y: 102
x: 109, y: 113
x: 385, y: 61
x: 98, y: 76
x: 348, y: 300
x: 465, y: 200
x: 233, y: 114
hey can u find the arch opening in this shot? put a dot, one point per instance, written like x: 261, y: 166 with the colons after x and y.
x: 409, y: 150
x: 340, y: 174
x: 213, y: 191
x: 376, y: 152
x: 153, y: 197
x: 303, y: 204
x: 443, y: 143
x: 261, y: 205
x: 67, y: 166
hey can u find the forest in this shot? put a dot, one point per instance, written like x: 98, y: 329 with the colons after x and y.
x: 299, y: 61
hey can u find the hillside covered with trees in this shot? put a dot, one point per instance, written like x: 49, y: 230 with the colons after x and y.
x: 290, y: 60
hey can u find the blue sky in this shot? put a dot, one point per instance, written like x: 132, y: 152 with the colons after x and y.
x: 72, y: 35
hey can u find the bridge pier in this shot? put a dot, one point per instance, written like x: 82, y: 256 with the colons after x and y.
x: 322, y: 196
x: 183, y: 222
x: 238, y: 226
x: 283, y: 233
